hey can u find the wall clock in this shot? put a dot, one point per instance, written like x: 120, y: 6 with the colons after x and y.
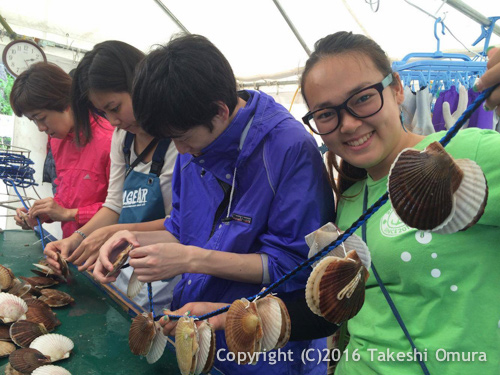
x: 20, y: 54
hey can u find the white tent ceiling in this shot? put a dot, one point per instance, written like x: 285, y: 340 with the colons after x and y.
x: 252, y: 34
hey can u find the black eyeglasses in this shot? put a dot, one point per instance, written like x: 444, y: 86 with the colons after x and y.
x: 364, y: 103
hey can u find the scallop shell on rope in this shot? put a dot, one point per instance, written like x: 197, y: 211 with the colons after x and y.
x: 194, y: 346
x: 335, y: 289
x: 430, y: 190
x: 186, y: 345
x: 253, y: 327
x: 146, y: 337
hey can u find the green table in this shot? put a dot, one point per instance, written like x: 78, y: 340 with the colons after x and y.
x: 96, y: 323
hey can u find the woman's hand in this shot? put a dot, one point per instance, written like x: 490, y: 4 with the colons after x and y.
x: 48, y: 207
x: 490, y: 78
x: 23, y: 220
x: 218, y: 322
x: 160, y: 261
x: 87, y: 253
x: 108, y: 253
x: 64, y: 247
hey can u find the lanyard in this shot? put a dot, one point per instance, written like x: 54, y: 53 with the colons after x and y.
x: 386, y: 293
x: 140, y: 157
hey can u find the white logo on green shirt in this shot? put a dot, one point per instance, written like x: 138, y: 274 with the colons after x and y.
x: 391, y: 225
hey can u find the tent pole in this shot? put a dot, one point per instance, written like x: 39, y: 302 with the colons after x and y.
x: 471, y: 13
x: 292, y: 27
x: 10, y: 32
x: 172, y: 16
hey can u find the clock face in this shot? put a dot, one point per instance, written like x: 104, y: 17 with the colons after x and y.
x: 19, y: 55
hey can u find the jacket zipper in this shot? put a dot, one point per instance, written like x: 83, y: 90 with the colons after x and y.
x: 222, y: 206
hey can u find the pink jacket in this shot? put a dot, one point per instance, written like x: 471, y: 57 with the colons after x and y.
x: 82, y: 173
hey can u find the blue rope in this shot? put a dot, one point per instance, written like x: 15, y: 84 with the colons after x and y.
x: 150, y: 297
x: 358, y: 223
x: 11, y: 183
x: 15, y: 170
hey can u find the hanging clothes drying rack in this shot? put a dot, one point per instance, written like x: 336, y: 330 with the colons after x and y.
x: 438, y: 69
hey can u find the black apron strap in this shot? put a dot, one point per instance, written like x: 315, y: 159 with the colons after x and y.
x: 127, y: 151
x: 129, y: 138
x: 159, y: 156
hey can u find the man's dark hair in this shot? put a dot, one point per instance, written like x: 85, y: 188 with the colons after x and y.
x: 179, y: 86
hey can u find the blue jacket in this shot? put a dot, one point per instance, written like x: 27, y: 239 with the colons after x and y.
x: 281, y: 193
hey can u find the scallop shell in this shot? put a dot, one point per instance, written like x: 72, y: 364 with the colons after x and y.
x: 206, y: 353
x: 40, y: 312
x: 123, y: 248
x: 141, y: 334
x: 51, y: 370
x: 211, y: 354
x: 158, y: 346
x: 26, y: 360
x: 4, y: 333
x: 43, y: 269
x: 134, y: 286
x: 6, y: 348
x: 53, y: 345
x: 24, y: 332
x: 270, y: 314
x: 9, y: 370
x: 40, y: 282
x: 321, y: 238
x: 342, y: 288
x: 312, y: 286
x: 470, y: 198
x: 6, y: 278
x: 329, y: 233
x: 63, y: 265
x: 421, y: 186
x: 186, y: 345
x: 46, y: 270
x: 12, y: 308
x: 19, y: 288
x: 55, y: 298
x: 243, y: 329
x: 286, y: 324
x: 27, y: 296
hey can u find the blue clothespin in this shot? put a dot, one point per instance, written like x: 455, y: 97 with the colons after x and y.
x: 486, y: 32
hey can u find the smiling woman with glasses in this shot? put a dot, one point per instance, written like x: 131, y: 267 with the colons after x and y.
x: 362, y: 104
x: 355, y: 101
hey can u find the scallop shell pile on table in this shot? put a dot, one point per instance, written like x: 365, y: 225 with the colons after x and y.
x: 335, y: 289
x: 194, y: 346
x: 256, y: 326
x: 430, y: 190
x: 28, y: 319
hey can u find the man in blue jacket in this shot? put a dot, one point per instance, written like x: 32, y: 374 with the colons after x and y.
x: 248, y: 185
